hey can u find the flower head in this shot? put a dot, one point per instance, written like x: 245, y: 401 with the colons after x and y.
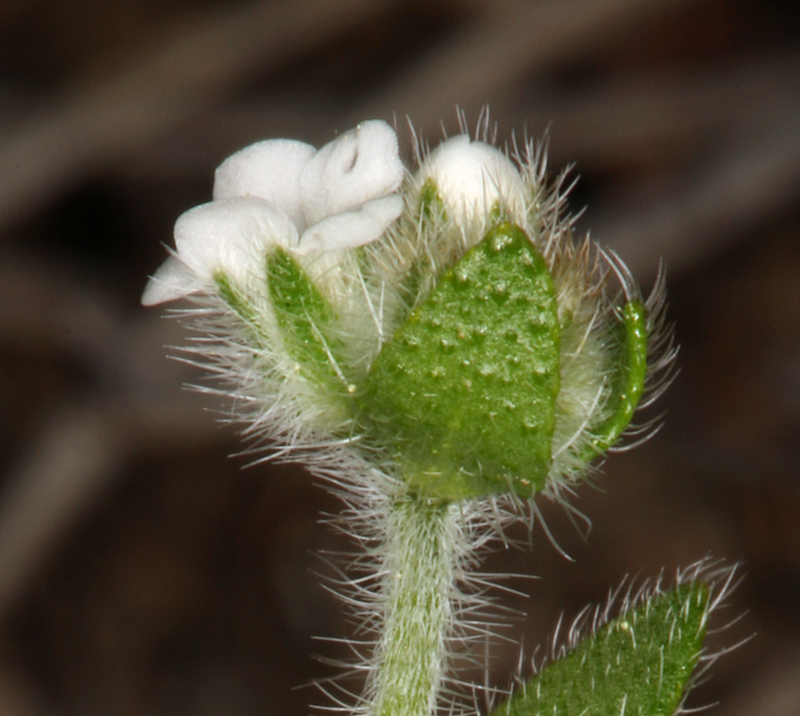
x: 440, y: 326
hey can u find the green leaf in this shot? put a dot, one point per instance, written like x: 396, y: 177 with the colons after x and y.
x: 637, y: 665
x: 464, y: 394
x: 306, y: 321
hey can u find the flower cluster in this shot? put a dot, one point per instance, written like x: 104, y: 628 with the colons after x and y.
x: 441, y: 322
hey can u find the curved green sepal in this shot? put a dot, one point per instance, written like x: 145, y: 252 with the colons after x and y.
x: 305, y: 319
x: 629, y: 388
x: 640, y: 663
x: 464, y: 394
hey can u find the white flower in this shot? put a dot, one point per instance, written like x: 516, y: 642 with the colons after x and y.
x: 284, y: 192
x: 471, y: 179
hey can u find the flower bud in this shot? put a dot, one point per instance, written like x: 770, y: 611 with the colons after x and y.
x: 475, y: 181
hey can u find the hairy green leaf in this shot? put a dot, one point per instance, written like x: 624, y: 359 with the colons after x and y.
x: 636, y: 665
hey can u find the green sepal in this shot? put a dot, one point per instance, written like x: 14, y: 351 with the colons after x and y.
x: 464, y: 394
x: 429, y: 200
x: 431, y: 212
x: 307, y: 323
x: 629, y: 386
x: 238, y: 302
x: 637, y: 665
x: 233, y: 297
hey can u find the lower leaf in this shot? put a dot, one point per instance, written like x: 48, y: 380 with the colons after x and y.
x: 636, y: 665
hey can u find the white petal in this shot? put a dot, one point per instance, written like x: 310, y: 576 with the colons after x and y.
x: 171, y: 281
x: 358, y: 166
x: 352, y: 228
x: 471, y: 177
x: 232, y: 236
x: 270, y: 170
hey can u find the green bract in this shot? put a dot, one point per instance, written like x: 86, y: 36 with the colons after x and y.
x: 464, y: 394
x: 306, y: 321
x: 640, y: 663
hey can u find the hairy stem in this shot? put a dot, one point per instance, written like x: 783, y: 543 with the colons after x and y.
x: 419, y: 567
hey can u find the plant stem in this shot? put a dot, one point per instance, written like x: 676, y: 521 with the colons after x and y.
x: 418, y: 587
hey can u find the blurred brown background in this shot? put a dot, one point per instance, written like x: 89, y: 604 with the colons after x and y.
x: 142, y: 571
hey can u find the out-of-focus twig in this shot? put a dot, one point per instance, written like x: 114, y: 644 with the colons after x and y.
x: 511, y: 39
x: 70, y: 462
x: 76, y: 457
x: 81, y: 447
x: 652, y: 116
x: 91, y: 126
x: 707, y: 206
x: 611, y: 124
